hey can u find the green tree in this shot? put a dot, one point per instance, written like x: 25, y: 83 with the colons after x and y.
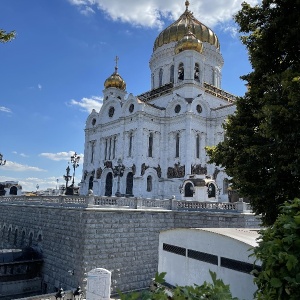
x: 6, y: 36
x: 279, y: 250
x: 261, y: 151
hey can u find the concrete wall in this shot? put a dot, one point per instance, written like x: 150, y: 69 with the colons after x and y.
x: 74, y: 241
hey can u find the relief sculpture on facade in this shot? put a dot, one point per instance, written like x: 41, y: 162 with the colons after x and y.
x: 133, y: 168
x: 143, y: 169
x: 198, y: 169
x: 215, y: 174
x: 108, y: 164
x: 158, y: 170
x: 99, y: 172
x: 177, y: 172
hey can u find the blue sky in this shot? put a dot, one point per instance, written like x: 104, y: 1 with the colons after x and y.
x: 52, y: 74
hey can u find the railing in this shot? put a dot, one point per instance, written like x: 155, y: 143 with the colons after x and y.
x: 126, y: 203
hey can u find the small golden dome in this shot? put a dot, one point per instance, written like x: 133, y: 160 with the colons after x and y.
x: 115, y: 80
x: 176, y: 31
x: 189, y: 42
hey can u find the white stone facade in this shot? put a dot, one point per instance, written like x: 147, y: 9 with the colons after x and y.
x: 161, y: 135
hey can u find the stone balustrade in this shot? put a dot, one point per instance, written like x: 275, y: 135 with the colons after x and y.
x: 127, y: 203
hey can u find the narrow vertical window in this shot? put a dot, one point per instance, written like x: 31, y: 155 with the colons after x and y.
x: 150, y: 146
x: 105, y: 156
x: 114, y: 147
x: 160, y: 77
x: 181, y: 71
x: 196, y: 72
x: 198, y: 146
x: 212, y: 76
x: 109, y: 149
x: 149, y: 183
x: 92, y: 150
x: 172, y: 74
x: 177, y: 145
x: 130, y: 145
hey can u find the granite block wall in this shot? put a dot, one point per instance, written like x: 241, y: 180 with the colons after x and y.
x: 73, y: 241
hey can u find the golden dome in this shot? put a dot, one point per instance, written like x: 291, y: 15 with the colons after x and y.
x: 176, y: 31
x: 115, y: 80
x: 189, y: 42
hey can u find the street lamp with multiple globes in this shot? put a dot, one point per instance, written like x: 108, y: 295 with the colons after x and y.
x: 78, y: 293
x: 119, y: 171
x: 75, y: 163
x: 2, y: 162
x: 67, y: 177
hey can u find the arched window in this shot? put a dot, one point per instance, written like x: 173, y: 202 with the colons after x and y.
x: 150, y: 144
x: 129, y: 184
x: 13, y: 190
x: 198, y: 146
x: 188, y: 190
x: 149, y: 183
x: 114, y: 147
x: 161, y: 77
x: 181, y: 71
x: 108, y: 184
x: 211, y: 190
x: 177, y: 144
x: 196, y: 72
x: 172, y: 74
x: 92, y: 151
x: 91, y: 182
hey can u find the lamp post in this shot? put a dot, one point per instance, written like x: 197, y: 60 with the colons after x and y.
x: 2, y: 162
x: 67, y: 177
x: 75, y: 163
x: 118, y: 171
x: 37, y: 188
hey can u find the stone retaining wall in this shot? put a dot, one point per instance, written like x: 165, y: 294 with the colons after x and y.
x: 74, y: 241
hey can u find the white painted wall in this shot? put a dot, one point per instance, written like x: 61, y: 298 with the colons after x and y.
x: 222, y: 242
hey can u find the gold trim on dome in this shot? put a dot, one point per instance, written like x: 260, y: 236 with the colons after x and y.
x: 189, y: 42
x: 176, y: 31
x: 115, y: 80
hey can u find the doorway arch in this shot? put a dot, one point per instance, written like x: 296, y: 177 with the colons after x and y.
x: 108, y: 184
x: 129, y: 184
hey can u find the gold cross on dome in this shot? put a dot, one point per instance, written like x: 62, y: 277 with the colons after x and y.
x: 116, y: 60
x: 187, y: 3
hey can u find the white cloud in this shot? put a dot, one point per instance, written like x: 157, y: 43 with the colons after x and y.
x: 39, y: 86
x: 151, y: 13
x: 61, y: 156
x: 21, y: 154
x: 5, y: 109
x: 16, y: 167
x: 88, y: 104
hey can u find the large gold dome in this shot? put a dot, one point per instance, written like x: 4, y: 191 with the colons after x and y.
x: 116, y: 81
x: 176, y: 31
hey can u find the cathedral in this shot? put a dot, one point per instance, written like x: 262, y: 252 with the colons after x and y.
x: 151, y: 144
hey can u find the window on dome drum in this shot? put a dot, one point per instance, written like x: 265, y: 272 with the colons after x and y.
x: 161, y: 77
x: 172, y: 74
x: 196, y: 72
x: 198, y: 146
x: 150, y: 145
x: 177, y: 145
x: 225, y: 186
x: 181, y: 71
x: 111, y: 111
x: 149, y: 183
x: 130, y: 144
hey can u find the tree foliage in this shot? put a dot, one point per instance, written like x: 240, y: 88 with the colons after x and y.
x: 279, y: 251
x: 216, y: 290
x: 6, y: 36
x: 261, y: 151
